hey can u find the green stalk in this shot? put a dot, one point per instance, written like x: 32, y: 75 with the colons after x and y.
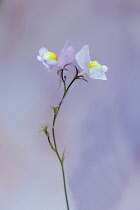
x: 61, y: 160
x: 64, y: 182
x: 56, y: 111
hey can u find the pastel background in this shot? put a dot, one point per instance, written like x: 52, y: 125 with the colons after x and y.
x: 99, y: 121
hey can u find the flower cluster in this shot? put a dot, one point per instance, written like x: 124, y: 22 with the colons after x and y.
x: 89, y: 68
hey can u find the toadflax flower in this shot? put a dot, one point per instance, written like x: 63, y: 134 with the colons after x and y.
x: 53, y: 61
x: 90, y: 68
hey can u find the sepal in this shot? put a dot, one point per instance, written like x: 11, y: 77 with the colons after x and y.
x: 45, y: 130
x: 55, y: 109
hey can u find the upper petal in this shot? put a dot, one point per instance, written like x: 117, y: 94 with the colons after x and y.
x: 83, y: 58
x: 66, y: 55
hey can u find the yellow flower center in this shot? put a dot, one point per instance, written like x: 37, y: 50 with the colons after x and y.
x: 50, y: 56
x: 94, y: 64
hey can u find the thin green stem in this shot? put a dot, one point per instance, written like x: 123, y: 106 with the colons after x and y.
x: 56, y: 111
x: 50, y: 143
x: 64, y: 182
x: 55, y: 145
x: 61, y: 160
x: 58, y: 155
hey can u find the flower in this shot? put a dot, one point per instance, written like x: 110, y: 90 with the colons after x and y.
x: 90, y: 68
x: 52, y: 61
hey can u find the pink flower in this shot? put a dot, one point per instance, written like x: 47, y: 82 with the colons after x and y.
x: 53, y: 61
x: 90, y: 68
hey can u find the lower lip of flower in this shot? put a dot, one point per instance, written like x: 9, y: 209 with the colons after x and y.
x: 50, y: 57
x: 94, y: 64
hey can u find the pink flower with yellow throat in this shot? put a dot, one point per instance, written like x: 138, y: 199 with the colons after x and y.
x: 90, y: 68
x: 52, y: 61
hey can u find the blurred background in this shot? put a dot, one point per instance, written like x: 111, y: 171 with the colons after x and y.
x: 99, y: 120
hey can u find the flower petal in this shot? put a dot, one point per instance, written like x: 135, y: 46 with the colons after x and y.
x: 103, y: 77
x: 104, y: 68
x: 83, y: 58
x: 97, y: 73
x: 48, y: 66
x: 42, y: 51
x: 39, y: 58
x: 50, y: 58
x: 66, y: 55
